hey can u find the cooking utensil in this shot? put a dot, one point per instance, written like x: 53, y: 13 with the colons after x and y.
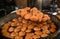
x: 12, y: 15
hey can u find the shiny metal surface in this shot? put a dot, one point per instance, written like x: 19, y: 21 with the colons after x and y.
x: 7, y: 18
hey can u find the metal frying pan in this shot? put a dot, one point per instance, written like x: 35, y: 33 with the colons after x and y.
x: 12, y: 15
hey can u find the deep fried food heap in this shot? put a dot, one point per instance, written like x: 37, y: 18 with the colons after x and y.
x: 33, y: 14
x: 20, y: 27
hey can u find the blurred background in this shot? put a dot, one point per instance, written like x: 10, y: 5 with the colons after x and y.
x: 6, y: 6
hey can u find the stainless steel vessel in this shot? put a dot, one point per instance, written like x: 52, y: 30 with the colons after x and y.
x: 12, y: 15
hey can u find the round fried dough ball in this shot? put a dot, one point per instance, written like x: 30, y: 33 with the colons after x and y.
x: 23, y: 29
x: 37, y: 28
x: 13, y: 24
x: 28, y: 30
x: 25, y: 25
x: 44, y: 35
x: 13, y: 34
x: 6, y: 34
x: 40, y: 15
x: 46, y: 31
x: 40, y: 19
x: 20, y: 19
x: 36, y: 36
x: 15, y: 19
x: 28, y: 37
x: 27, y: 16
x: 21, y: 33
x: 6, y: 26
x: 46, y: 17
x: 17, y: 29
x: 34, y: 10
x: 38, y: 32
x: 21, y: 24
x: 18, y: 24
x: 52, y: 25
x: 24, y: 21
x: 30, y: 26
x: 49, y: 21
x: 34, y: 18
x: 11, y: 29
x: 30, y: 34
x: 52, y: 30
x: 18, y: 37
x: 23, y: 12
x: 44, y: 27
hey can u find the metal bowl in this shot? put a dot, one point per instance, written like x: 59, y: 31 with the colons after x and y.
x: 13, y: 15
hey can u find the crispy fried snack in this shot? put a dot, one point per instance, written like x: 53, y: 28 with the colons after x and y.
x: 32, y: 24
x: 33, y: 14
